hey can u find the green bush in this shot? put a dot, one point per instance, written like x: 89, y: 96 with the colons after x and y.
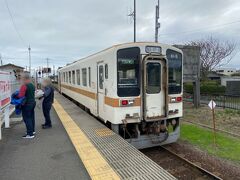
x: 211, y: 89
x: 212, y: 82
x: 236, y: 74
x: 188, y: 88
x: 206, y: 88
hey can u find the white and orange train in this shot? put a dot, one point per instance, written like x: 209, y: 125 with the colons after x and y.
x: 135, y: 88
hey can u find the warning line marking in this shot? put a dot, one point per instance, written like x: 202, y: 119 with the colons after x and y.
x: 95, y: 164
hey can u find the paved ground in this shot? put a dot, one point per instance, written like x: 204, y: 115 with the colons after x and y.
x: 50, y: 156
x: 124, y: 159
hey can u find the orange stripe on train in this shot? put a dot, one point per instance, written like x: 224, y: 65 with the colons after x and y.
x: 114, y: 102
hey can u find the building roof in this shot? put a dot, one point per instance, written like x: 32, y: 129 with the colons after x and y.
x: 11, y: 65
x: 214, y: 74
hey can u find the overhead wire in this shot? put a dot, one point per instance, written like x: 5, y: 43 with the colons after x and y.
x: 13, y: 22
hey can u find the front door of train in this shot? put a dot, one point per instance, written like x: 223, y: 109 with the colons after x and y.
x: 154, y: 88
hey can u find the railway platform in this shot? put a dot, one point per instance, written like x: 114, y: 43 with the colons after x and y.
x: 77, y: 147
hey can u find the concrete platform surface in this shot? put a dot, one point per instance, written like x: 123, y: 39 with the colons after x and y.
x: 49, y: 156
x: 122, y: 160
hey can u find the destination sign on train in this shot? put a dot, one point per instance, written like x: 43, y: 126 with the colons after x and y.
x: 127, y: 61
x: 153, y: 49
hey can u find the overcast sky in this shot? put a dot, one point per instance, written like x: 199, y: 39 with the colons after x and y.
x: 66, y: 30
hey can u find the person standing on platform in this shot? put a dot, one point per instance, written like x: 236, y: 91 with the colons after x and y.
x: 27, y: 90
x: 47, y: 102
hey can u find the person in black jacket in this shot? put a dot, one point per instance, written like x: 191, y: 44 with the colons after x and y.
x: 47, y: 102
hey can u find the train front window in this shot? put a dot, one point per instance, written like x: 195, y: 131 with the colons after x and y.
x: 128, y: 72
x: 174, y: 72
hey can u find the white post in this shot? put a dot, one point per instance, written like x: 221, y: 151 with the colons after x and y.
x: 6, y: 117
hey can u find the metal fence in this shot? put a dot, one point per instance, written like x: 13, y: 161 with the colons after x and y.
x: 225, y: 101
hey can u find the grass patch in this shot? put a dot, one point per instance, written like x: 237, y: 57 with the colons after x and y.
x: 227, y: 147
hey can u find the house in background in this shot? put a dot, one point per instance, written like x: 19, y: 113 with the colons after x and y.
x: 15, y: 72
x: 226, y: 71
x: 13, y: 69
x: 214, y: 76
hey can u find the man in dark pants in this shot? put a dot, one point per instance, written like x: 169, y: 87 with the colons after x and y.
x: 28, y: 90
x: 47, y: 102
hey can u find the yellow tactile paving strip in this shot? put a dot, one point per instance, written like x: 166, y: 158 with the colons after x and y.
x: 104, y: 132
x: 95, y: 164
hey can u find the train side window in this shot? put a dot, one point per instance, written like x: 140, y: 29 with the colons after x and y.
x: 66, y: 77
x: 89, y: 76
x: 78, y: 76
x: 101, y: 77
x: 70, y: 77
x: 84, y: 77
x: 106, y: 71
x: 73, y: 77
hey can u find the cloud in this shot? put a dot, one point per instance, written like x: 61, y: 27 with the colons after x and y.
x: 65, y: 30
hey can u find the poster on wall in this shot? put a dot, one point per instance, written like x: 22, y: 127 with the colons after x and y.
x: 5, y: 89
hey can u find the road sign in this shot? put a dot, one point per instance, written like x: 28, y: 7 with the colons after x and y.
x: 212, y: 104
x: 5, y: 98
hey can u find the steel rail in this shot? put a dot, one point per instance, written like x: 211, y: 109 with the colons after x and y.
x: 192, y: 164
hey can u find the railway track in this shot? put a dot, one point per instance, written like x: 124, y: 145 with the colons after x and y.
x: 177, y: 165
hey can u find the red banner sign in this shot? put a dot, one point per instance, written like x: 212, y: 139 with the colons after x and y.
x: 5, y: 89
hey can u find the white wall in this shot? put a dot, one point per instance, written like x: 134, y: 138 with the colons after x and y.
x: 227, y: 71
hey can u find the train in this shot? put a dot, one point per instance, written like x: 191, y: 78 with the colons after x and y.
x: 136, y: 89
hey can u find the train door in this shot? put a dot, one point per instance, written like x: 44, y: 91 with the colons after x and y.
x: 154, y: 88
x: 100, y: 89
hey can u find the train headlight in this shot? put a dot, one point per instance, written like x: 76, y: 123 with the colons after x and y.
x: 124, y: 102
x: 127, y: 102
x: 179, y: 99
x: 175, y: 99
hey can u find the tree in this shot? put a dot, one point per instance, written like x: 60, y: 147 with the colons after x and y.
x: 236, y: 74
x: 214, y: 53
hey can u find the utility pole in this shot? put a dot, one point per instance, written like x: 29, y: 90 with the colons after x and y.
x: 1, y: 59
x: 134, y: 18
x: 47, y: 67
x: 157, y: 24
x: 133, y: 15
x: 29, y: 53
x: 53, y: 73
